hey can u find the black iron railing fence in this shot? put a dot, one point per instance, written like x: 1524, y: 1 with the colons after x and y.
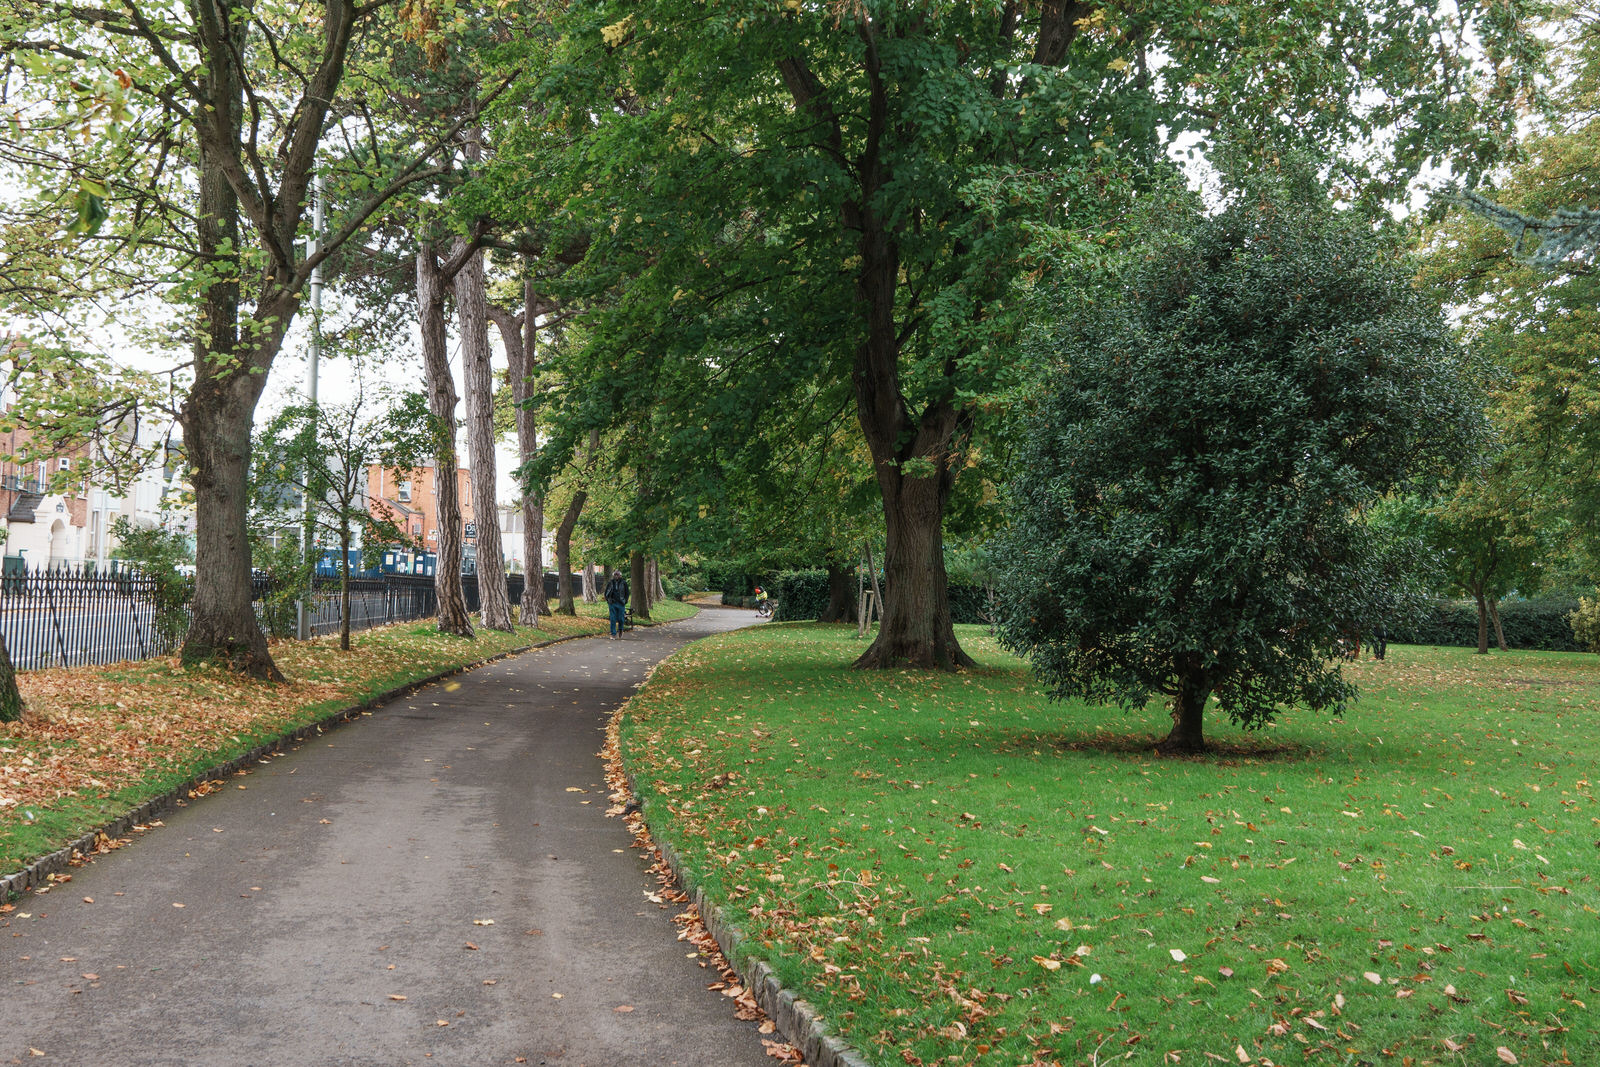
x: 70, y: 616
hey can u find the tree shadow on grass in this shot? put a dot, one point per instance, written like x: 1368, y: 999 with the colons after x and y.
x: 1143, y: 745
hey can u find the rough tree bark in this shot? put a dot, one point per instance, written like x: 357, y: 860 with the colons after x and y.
x: 432, y: 277
x: 589, y: 593
x: 477, y: 382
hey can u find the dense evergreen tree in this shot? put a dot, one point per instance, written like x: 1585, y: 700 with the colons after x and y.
x: 1186, y: 521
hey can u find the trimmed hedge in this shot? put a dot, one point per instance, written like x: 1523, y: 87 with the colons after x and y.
x: 1540, y: 625
x: 800, y: 594
x: 1529, y: 624
x: 804, y: 595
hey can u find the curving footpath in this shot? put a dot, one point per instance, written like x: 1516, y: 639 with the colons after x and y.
x: 436, y: 883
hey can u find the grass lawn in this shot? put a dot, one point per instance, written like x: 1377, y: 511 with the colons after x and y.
x: 955, y: 870
x: 98, y: 741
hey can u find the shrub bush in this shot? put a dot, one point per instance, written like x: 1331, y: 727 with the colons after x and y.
x: 1542, y: 625
x: 800, y: 594
x: 1585, y: 620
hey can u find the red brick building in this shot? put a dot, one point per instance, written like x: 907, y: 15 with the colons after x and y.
x: 410, y: 499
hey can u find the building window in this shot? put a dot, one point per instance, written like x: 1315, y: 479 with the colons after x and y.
x: 405, y: 492
x: 63, y: 464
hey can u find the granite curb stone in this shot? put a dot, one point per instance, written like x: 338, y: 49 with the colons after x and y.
x: 38, y: 872
x: 798, y: 1020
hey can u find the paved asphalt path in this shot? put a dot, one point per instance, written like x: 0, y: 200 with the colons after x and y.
x: 423, y: 886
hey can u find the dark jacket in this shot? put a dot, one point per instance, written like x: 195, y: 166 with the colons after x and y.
x: 617, y: 590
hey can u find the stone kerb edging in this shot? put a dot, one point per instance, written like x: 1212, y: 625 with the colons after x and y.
x: 797, y: 1019
x: 38, y: 872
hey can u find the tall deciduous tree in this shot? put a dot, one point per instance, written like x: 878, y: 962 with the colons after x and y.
x: 856, y: 190
x: 432, y: 278
x: 519, y: 333
x: 231, y: 101
x: 1520, y: 267
x: 1186, y: 517
x: 477, y: 382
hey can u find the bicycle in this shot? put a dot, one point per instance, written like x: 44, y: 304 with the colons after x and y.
x: 764, y: 609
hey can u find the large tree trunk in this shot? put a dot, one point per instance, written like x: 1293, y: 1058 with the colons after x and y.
x: 220, y: 407
x: 641, y: 594
x: 478, y: 385
x: 1188, y: 713
x: 217, y: 416
x: 431, y: 280
x: 658, y: 592
x: 841, y: 594
x: 917, y: 630
x: 1483, y: 621
x: 564, y: 604
x: 590, y: 595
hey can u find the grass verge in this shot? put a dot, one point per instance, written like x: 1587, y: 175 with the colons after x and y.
x: 955, y: 870
x: 98, y: 741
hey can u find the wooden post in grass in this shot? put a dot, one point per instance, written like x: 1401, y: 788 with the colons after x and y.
x: 861, y: 601
x: 871, y: 599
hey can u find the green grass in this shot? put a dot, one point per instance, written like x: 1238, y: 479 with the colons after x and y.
x: 943, y: 863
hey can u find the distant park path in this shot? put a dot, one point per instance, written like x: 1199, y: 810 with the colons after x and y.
x: 424, y: 886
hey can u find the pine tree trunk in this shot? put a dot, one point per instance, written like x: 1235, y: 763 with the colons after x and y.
x: 453, y: 615
x: 478, y: 387
x: 11, y: 703
x: 641, y: 593
x: 1188, y: 714
x: 842, y: 599
x: 1494, y: 617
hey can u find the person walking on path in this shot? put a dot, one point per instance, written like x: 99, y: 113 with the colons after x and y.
x: 616, y: 595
